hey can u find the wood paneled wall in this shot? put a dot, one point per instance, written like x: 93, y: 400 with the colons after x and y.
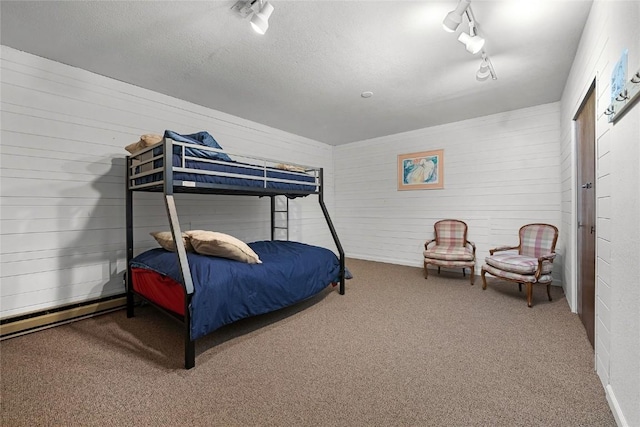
x: 500, y: 172
x: 612, y: 27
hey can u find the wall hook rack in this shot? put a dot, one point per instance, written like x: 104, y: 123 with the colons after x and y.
x: 629, y: 94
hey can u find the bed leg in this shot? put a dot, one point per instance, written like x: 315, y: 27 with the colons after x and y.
x: 130, y: 300
x: 130, y: 312
x: 189, y: 344
x: 189, y: 354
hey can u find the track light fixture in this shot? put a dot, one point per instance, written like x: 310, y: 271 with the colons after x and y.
x: 486, y: 69
x: 472, y: 41
x: 454, y: 18
x: 261, y: 11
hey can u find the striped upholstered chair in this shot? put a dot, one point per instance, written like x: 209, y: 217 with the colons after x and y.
x: 450, y: 248
x: 531, y: 263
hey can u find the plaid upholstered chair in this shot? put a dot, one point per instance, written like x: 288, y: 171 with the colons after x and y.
x: 451, y: 248
x: 531, y: 263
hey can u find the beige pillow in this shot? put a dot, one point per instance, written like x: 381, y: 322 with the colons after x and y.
x: 165, y: 239
x: 145, y: 141
x: 222, y: 245
x: 290, y: 168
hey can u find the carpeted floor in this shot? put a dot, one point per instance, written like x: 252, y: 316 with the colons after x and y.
x: 395, y: 350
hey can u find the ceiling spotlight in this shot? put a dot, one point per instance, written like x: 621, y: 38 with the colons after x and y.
x: 454, y: 18
x: 483, y: 73
x: 486, y: 69
x: 261, y: 11
x: 473, y: 44
x: 260, y: 20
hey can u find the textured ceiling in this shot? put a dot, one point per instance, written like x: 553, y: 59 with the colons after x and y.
x: 306, y: 74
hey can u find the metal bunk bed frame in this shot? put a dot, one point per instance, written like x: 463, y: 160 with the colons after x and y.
x: 168, y: 186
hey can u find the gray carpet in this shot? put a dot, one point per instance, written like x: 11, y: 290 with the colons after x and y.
x: 395, y: 350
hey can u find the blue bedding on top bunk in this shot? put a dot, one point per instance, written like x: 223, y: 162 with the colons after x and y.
x: 199, y: 138
x: 304, y: 182
x: 240, y: 168
x: 307, y: 182
x: 226, y: 290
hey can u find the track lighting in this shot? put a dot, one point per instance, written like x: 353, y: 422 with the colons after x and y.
x: 483, y: 73
x: 486, y: 69
x: 261, y: 11
x: 260, y: 20
x: 454, y: 18
x: 473, y: 43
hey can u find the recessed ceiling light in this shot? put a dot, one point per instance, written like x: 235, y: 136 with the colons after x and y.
x: 366, y: 94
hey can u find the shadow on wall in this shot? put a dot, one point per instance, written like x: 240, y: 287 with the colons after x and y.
x: 92, y: 231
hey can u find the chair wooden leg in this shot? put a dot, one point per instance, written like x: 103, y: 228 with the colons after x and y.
x: 438, y: 269
x: 463, y: 275
x: 520, y: 287
x: 484, y: 280
x: 529, y: 294
x: 549, y: 291
x: 472, y: 276
x: 426, y: 273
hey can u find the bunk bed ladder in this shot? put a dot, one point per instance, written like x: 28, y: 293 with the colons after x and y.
x: 279, y: 216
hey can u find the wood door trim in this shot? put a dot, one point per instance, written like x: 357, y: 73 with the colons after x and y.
x: 587, y: 94
x: 586, y: 216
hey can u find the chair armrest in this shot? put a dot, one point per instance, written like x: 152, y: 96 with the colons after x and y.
x: 428, y: 242
x: 502, y: 248
x: 542, y: 259
x: 473, y: 245
x: 549, y: 257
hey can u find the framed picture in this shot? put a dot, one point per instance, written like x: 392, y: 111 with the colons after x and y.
x: 421, y: 171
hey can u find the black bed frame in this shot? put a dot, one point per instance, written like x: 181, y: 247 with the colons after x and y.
x: 169, y: 186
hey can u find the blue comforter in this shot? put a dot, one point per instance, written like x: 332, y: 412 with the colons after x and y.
x: 226, y: 290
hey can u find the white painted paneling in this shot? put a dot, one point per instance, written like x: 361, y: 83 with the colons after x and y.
x: 602, y: 354
x: 611, y: 28
x: 62, y: 191
x: 500, y: 172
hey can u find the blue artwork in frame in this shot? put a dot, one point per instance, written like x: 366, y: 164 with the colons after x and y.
x: 421, y: 171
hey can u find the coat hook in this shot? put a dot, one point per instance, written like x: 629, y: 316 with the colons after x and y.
x: 623, y: 95
x: 609, y: 111
x: 636, y: 78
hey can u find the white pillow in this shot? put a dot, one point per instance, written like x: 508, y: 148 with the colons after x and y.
x: 222, y: 245
x: 165, y: 239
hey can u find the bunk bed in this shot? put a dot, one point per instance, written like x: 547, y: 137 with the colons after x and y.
x: 205, y: 292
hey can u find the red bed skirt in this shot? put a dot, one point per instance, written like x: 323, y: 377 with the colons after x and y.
x: 160, y: 289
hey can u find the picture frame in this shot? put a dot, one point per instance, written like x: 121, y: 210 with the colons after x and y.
x: 423, y: 170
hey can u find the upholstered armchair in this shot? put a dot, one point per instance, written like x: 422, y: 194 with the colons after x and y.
x: 531, y: 263
x: 450, y: 248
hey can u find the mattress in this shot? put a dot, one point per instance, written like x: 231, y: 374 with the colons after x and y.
x: 232, y: 173
x: 226, y: 290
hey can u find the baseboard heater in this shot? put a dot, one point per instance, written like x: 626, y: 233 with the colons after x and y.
x: 31, y: 322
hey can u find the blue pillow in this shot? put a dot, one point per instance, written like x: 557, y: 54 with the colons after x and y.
x: 200, y: 138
